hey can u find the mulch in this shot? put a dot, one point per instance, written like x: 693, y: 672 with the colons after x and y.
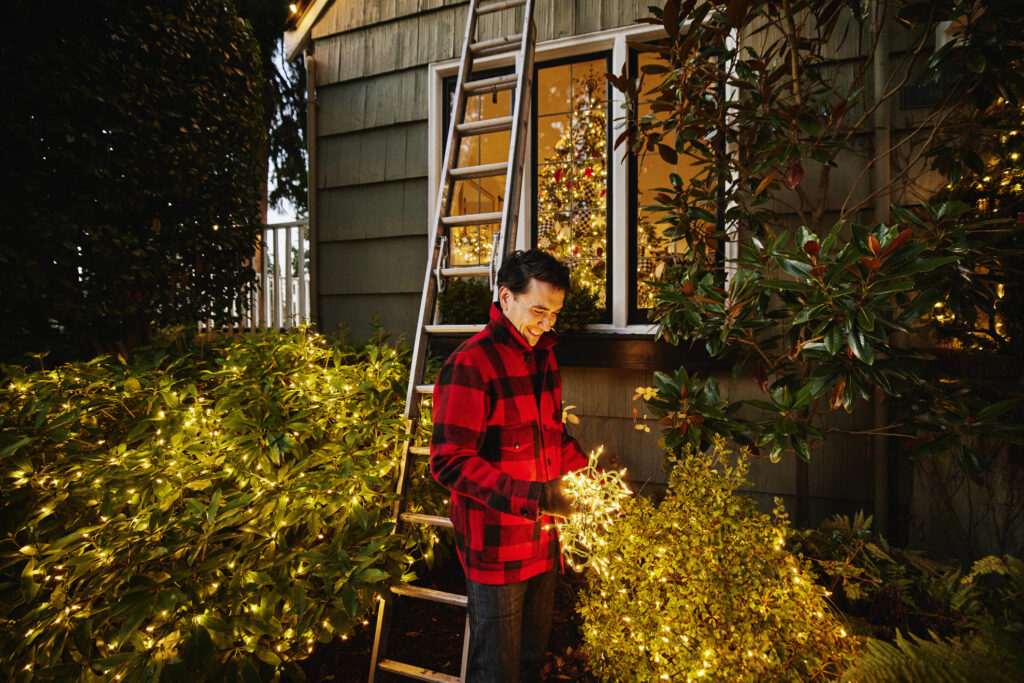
x: 431, y: 635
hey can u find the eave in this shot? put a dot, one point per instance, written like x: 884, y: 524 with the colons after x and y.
x: 295, y: 40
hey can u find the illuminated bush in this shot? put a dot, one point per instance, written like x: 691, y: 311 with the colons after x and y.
x: 702, y: 586
x: 209, y: 510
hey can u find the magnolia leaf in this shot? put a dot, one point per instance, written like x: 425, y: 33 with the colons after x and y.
x: 833, y: 338
x: 794, y: 174
x: 862, y: 347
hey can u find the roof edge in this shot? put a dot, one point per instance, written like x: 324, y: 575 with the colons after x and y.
x: 295, y: 40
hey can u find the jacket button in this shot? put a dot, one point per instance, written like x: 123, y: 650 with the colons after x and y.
x: 516, y: 446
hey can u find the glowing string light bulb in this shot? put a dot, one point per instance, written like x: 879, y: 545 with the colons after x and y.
x: 597, y: 497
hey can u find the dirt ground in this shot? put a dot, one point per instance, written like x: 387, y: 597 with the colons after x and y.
x: 430, y: 635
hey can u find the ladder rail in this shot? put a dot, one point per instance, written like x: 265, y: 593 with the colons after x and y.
x: 419, y: 351
x: 517, y: 143
x: 436, y: 271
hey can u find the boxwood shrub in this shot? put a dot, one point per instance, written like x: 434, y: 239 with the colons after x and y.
x: 209, y: 509
x: 703, y: 586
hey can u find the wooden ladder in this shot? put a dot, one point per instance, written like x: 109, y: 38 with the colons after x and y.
x: 521, y: 46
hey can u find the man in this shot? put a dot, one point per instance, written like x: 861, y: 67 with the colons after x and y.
x: 499, y: 445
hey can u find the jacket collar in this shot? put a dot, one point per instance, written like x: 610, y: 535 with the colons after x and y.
x: 501, y: 328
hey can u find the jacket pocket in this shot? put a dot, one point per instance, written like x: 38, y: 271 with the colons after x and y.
x: 508, y: 538
x: 518, y: 451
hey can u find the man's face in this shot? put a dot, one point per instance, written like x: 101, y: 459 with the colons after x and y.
x: 533, y: 312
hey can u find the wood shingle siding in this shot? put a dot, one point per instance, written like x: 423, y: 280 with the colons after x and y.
x: 346, y: 15
x: 359, y: 41
x: 374, y: 155
x: 372, y: 97
x: 355, y: 313
x: 377, y: 210
x: 378, y: 266
x: 398, y: 97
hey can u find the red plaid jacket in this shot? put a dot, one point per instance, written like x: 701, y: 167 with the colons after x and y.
x: 493, y: 445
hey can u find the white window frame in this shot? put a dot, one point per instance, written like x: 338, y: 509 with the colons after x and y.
x: 617, y: 42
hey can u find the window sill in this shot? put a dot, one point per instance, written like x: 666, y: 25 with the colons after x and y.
x: 632, y: 348
x: 607, y: 346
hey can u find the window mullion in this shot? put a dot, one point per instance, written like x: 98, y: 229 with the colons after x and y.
x: 618, y: 162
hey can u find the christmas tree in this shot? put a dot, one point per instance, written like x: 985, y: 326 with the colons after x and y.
x: 572, y: 187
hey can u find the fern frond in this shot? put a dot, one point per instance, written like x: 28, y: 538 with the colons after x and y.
x: 989, y: 656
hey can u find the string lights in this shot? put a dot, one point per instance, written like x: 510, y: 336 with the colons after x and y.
x: 597, y: 497
x: 170, y: 465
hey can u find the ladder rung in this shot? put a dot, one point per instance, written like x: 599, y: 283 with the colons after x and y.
x: 495, y: 46
x: 485, y: 126
x: 417, y: 672
x: 498, y: 6
x: 466, y: 271
x: 432, y: 520
x: 487, y: 85
x: 419, y: 450
x: 453, y: 329
x: 481, y: 171
x: 424, y: 388
x: 472, y: 219
x: 430, y: 594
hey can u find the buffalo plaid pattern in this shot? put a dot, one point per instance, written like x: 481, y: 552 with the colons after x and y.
x: 495, y: 441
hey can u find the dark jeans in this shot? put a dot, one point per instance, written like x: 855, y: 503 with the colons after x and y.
x: 508, y: 629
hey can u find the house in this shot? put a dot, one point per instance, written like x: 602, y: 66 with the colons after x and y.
x: 380, y: 77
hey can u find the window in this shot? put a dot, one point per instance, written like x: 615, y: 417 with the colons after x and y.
x: 473, y: 244
x: 570, y: 152
x: 651, y: 245
x: 582, y: 199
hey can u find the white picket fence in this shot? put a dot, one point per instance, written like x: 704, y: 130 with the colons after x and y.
x: 280, y: 299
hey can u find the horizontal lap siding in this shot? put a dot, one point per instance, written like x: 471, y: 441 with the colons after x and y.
x: 371, y: 217
x: 372, y: 156
x: 372, y: 141
x: 377, y: 266
x: 352, y: 317
x: 840, y: 474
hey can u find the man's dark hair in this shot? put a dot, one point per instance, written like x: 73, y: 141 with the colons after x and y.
x: 520, y: 266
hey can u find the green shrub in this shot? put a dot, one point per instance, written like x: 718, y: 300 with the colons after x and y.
x: 209, y: 510
x: 928, y: 621
x: 468, y: 302
x: 702, y: 585
x: 882, y: 589
x: 138, y: 179
x: 465, y: 301
x: 580, y: 309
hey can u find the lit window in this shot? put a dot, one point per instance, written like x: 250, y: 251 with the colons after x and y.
x: 571, y: 157
x: 583, y: 198
x: 472, y: 244
x: 653, y: 245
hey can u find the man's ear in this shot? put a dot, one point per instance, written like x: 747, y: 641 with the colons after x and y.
x: 504, y: 294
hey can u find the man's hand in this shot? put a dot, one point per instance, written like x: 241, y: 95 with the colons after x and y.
x: 554, y: 500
